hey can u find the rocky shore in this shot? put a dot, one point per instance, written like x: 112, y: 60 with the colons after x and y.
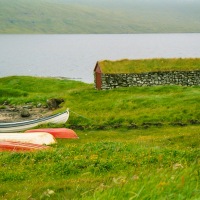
x: 13, y: 113
x: 17, y: 113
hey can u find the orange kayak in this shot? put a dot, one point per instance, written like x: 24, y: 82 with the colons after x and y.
x: 57, y: 132
x: 20, y: 146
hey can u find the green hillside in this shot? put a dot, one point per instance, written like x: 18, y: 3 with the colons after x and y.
x: 135, y: 106
x: 66, y: 16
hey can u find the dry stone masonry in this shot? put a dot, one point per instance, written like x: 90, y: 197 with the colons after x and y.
x: 184, y: 78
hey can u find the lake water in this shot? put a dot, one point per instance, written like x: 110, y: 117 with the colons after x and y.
x: 74, y: 56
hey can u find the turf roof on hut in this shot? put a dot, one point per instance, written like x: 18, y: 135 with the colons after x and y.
x: 149, y: 65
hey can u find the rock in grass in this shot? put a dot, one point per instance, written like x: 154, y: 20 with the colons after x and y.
x: 54, y: 103
x: 25, y: 112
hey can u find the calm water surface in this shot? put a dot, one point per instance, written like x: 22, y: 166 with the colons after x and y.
x: 75, y: 56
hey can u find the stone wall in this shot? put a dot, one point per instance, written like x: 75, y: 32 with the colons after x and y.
x: 184, y: 78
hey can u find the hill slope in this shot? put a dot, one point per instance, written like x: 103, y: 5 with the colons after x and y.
x: 67, y: 16
x: 122, y: 107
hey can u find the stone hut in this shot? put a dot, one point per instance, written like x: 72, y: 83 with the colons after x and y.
x: 146, y: 72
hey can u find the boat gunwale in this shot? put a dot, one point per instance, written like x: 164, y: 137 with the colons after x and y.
x: 23, y: 123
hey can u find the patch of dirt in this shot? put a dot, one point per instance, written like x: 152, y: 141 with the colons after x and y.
x: 13, y: 113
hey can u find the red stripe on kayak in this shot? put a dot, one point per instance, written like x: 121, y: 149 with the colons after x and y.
x: 57, y: 132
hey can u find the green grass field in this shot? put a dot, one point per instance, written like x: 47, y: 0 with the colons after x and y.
x: 154, y: 163
x: 122, y: 107
x: 134, y: 143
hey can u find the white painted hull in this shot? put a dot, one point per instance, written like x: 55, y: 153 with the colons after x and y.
x: 24, y: 125
x: 36, y: 138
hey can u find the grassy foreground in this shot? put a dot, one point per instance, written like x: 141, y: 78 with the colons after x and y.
x: 135, y: 143
x: 155, y: 163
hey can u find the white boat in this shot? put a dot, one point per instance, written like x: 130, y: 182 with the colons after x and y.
x: 36, y: 138
x: 24, y: 125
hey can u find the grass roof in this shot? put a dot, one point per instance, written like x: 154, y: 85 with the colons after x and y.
x: 149, y: 65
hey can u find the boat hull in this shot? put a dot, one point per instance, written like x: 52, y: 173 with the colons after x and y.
x: 21, y: 147
x: 37, y: 138
x: 24, y: 125
x: 57, y: 132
